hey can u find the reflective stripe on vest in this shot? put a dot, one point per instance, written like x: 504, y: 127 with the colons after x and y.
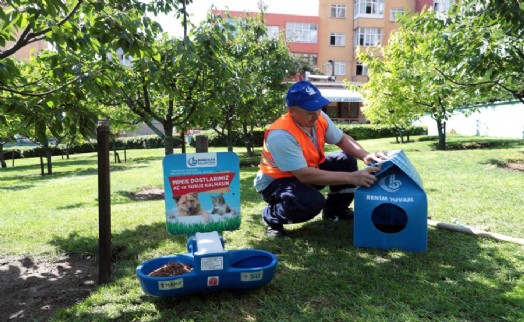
x: 313, y: 156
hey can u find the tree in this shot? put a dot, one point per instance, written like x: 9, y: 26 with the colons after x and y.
x: 60, y: 115
x: 407, y: 80
x: 74, y: 27
x: 7, y: 134
x: 484, y: 41
x: 250, y: 91
x: 167, y: 84
x: 80, y: 32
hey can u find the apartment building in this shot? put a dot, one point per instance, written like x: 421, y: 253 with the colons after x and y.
x: 330, y: 41
x: 25, y: 52
x: 300, y: 32
x: 344, y: 25
x: 302, y: 36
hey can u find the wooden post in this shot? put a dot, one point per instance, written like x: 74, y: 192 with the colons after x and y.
x: 104, y: 204
x: 201, y: 143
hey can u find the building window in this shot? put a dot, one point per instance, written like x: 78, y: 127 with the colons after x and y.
x: 354, y: 109
x: 301, y: 32
x: 337, y: 39
x: 340, y: 68
x: 312, y: 58
x: 368, y: 37
x: 122, y: 58
x: 273, y: 32
x: 362, y: 70
x: 442, y: 5
x: 338, y: 11
x: 395, y: 13
x: 369, y: 8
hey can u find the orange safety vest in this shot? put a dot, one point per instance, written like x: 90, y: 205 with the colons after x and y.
x: 313, y: 156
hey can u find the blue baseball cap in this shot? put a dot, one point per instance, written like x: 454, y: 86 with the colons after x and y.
x: 306, y: 95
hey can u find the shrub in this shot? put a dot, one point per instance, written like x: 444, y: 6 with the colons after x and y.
x: 136, y: 142
x: 377, y: 131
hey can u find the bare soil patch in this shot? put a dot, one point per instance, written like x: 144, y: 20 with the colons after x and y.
x: 33, y: 288
x: 150, y: 193
x: 515, y: 165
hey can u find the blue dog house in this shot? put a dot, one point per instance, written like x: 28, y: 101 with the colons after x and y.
x: 392, y: 214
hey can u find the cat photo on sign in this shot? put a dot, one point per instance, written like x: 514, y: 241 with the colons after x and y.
x: 221, y: 207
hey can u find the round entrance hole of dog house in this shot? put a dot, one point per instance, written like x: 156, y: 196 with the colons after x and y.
x: 389, y: 218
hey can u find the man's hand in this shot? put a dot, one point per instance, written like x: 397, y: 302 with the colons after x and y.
x: 375, y: 157
x: 365, y: 177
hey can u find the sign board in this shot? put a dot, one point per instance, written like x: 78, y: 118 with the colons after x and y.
x: 202, y: 192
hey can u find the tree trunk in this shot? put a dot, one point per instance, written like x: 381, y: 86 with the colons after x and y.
x: 183, y: 138
x: 248, y: 142
x: 156, y: 130
x: 47, y: 151
x: 168, y: 140
x: 41, y: 154
x: 117, y: 156
x: 441, y: 128
x: 201, y: 144
x: 2, y: 159
x: 229, y: 137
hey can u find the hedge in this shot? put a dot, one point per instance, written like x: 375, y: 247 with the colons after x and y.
x: 373, y: 131
x: 136, y: 142
x: 357, y: 131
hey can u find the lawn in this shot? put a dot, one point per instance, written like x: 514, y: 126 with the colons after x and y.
x: 321, y: 276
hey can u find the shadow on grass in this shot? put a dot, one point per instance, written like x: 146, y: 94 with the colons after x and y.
x: 60, y: 171
x: 320, y: 269
x: 27, y: 181
x: 322, y: 276
x: 60, y: 163
x: 322, y: 272
x: 126, y: 244
x: 72, y: 206
x: 455, y: 268
x: 16, y: 188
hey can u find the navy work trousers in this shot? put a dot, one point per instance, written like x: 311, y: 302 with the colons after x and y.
x: 291, y: 201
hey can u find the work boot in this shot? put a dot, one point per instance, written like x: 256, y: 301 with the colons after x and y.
x: 346, y: 214
x: 274, y: 230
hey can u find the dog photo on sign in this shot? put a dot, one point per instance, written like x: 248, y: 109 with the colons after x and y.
x: 189, y: 205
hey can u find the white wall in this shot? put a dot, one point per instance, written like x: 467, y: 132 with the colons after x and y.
x: 499, y: 120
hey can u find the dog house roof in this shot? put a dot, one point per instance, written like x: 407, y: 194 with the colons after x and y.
x: 399, y: 159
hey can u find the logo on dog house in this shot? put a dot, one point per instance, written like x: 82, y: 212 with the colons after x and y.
x: 392, y: 214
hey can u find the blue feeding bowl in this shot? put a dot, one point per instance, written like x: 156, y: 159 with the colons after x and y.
x: 212, y: 271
